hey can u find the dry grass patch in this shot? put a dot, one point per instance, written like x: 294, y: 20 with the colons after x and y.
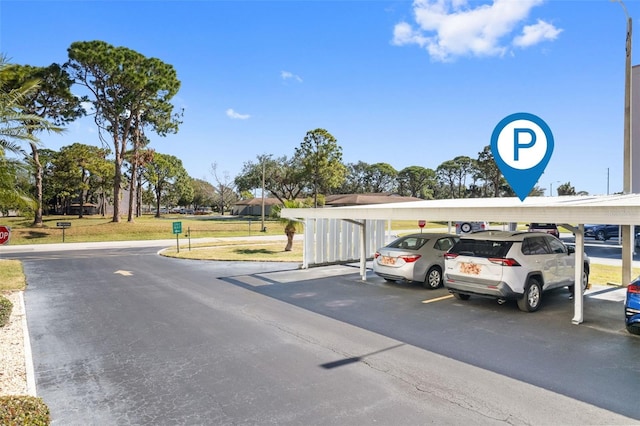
x: 11, y: 275
x: 608, y: 274
x: 272, y: 251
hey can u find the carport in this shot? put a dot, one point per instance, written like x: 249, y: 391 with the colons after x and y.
x: 577, y: 210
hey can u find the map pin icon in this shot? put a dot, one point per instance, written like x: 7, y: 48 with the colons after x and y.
x: 522, y: 145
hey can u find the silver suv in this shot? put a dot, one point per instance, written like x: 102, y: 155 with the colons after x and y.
x: 510, y: 265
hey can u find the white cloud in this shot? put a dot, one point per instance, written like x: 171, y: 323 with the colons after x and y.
x: 88, y: 107
x: 286, y: 75
x: 534, y: 34
x: 451, y: 28
x: 236, y: 116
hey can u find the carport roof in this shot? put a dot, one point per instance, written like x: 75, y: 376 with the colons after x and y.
x: 611, y: 209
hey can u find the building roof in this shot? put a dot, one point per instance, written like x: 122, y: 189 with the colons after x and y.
x: 269, y: 201
x: 365, y: 199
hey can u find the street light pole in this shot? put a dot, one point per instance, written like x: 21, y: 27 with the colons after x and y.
x: 262, y: 228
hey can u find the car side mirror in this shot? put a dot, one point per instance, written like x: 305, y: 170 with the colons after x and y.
x: 571, y: 249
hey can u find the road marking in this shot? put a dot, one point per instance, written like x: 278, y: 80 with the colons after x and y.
x: 437, y: 299
x: 124, y: 273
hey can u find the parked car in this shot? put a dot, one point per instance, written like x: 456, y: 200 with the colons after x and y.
x: 510, y: 265
x: 632, y: 307
x: 549, y: 228
x: 415, y: 257
x: 601, y: 232
x: 466, y: 227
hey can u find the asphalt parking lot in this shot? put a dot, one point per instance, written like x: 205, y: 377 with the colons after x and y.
x: 101, y: 336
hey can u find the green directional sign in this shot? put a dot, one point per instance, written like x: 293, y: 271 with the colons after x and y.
x: 177, y: 227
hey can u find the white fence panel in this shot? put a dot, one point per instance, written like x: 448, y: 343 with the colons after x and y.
x: 328, y: 241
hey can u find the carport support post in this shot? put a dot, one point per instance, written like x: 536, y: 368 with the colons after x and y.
x: 627, y: 252
x: 578, y: 293
x: 363, y: 250
x: 363, y: 246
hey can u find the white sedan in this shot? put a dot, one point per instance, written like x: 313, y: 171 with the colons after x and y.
x: 415, y: 257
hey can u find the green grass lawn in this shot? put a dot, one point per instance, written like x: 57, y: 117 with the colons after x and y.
x: 146, y: 227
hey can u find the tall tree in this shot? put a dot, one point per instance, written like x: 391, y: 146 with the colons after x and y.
x: 203, y: 193
x: 465, y: 165
x: 167, y: 179
x: 137, y: 158
x: 225, y: 189
x: 487, y: 171
x: 321, y: 158
x: 566, y: 189
x: 128, y: 90
x: 417, y: 181
x: 284, y: 178
x: 448, y: 173
x: 382, y: 177
x: 78, y: 162
x: 52, y: 100
x: 356, y: 179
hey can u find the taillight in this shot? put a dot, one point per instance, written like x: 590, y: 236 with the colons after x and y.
x: 410, y: 258
x: 377, y: 255
x: 450, y: 255
x: 634, y: 287
x: 482, y: 226
x: 503, y: 261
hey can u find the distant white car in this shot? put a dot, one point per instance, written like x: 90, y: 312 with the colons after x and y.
x: 466, y: 227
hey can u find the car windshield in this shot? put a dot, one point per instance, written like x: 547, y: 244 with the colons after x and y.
x: 409, y: 243
x: 543, y: 225
x: 481, y: 248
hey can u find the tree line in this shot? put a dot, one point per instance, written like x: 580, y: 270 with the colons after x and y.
x: 129, y: 97
x: 316, y: 168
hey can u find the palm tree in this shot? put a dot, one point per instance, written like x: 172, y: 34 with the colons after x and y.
x: 290, y: 225
x: 16, y: 127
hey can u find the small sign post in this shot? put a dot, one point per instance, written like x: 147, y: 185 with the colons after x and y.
x: 177, y: 229
x: 421, y: 224
x: 63, y: 225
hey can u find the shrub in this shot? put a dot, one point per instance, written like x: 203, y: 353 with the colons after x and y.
x: 5, y: 311
x: 23, y: 410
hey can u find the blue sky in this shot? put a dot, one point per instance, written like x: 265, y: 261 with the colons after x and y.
x: 407, y: 83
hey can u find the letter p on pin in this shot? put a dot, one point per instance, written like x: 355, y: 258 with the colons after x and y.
x: 516, y: 141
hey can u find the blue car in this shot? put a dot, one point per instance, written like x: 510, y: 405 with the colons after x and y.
x: 632, y: 307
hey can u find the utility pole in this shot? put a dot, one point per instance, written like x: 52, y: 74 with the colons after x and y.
x: 627, y: 234
x: 262, y: 229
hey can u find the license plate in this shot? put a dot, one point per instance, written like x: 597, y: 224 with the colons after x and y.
x: 470, y: 268
x: 386, y: 260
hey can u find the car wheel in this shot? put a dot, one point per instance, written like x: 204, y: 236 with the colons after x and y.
x: 585, y: 280
x: 530, y: 300
x: 633, y: 329
x: 601, y: 236
x: 461, y: 296
x: 433, y: 279
x: 466, y: 227
x: 389, y: 280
